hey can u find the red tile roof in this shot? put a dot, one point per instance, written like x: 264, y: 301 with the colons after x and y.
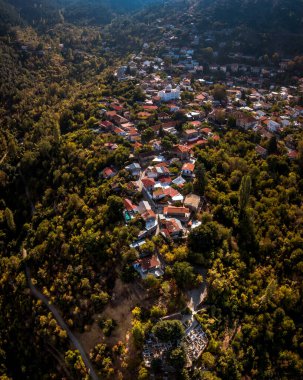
x: 176, y: 210
x: 148, y: 182
x: 148, y: 263
x: 188, y: 166
x: 129, y: 205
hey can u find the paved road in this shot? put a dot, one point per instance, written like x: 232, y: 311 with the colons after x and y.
x: 62, y: 324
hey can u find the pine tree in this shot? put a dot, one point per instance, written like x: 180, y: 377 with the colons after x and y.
x: 201, y: 179
x: 244, y: 192
x: 9, y: 217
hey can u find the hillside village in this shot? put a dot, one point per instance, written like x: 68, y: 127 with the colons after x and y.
x: 151, y: 176
x: 180, y: 115
x: 175, y: 118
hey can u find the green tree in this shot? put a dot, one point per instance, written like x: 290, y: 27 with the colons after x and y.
x: 147, y: 135
x: 177, y: 358
x: 170, y: 330
x: 9, y: 217
x: 207, y: 237
x: 201, y: 179
x: 244, y: 192
x: 219, y: 92
x: 184, y: 275
x: 272, y: 147
x: 114, y: 208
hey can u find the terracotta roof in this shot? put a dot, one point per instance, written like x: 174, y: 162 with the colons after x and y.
x: 176, y: 210
x: 148, y: 214
x: 165, y: 180
x: 129, y: 205
x: 116, y: 107
x: 148, y: 182
x: 206, y: 130
x: 170, y: 226
x: 188, y: 166
x: 182, y: 148
x: 190, y: 131
x: 292, y: 154
x: 107, y: 172
x: 197, y: 143
x: 111, y: 113
x: 148, y: 263
x: 143, y: 115
x: 171, y: 192
x: 106, y: 124
x: 195, y: 123
x: 150, y: 108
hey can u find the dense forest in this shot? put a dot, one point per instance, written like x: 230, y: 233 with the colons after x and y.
x: 62, y: 226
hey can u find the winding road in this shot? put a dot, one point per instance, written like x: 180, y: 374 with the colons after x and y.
x: 52, y: 307
x: 62, y: 324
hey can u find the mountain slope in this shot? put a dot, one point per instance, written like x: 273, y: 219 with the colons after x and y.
x: 261, y: 15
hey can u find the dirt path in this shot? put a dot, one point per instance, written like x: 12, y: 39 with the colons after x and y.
x: 230, y: 335
x: 3, y: 158
x: 124, y: 298
x: 51, y: 307
x: 62, y: 324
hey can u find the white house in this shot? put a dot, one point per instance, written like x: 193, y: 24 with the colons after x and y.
x: 273, y: 126
x: 169, y: 93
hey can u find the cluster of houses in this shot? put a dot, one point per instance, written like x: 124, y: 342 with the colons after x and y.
x: 162, y: 172
x: 181, y: 113
x: 164, y: 209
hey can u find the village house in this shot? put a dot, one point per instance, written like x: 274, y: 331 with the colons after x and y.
x: 261, y: 151
x: 150, y: 219
x: 134, y: 168
x: 108, y: 173
x: 188, y: 169
x: 217, y: 116
x: 130, y: 210
x: 181, y: 213
x: 192, y: 201
x: 245, y: 121
x: 273, y: 126
x: 146, y: 158
x: 179, y: 181
x: 191, y: 135
x: 156, y: 171
x: 173, y: 195
x: 148, y: 184
x: 182, y: 152
x: 171, y: 228
x: 106, y: 126
x: 149, y: 265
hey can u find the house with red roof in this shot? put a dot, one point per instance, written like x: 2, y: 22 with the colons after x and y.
x: 129, y: 206
x: 171, y: 228
x: 181, y: 213
x: 149, y: 265
x: 108, y: 173
x: 173, y: 195
x: 182, y: 152
x: 110, y: 114
x: 148, y: 183
x: 188, y: 169
x: 106, y: 126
